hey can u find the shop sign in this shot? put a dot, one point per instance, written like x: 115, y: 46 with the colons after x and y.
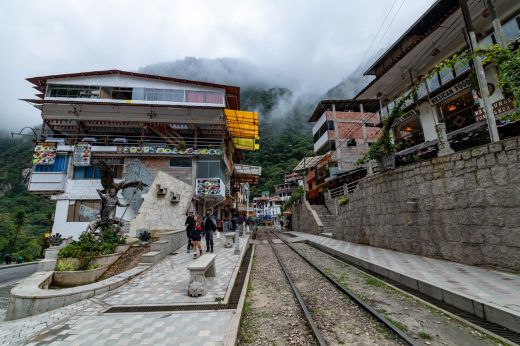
x: 408, y: 115
x: 44, y: 153
x: 446, y: 94
x: 82, y: 154
x: 499, y: 107
x: 168, y: 150
x: 210, y: 187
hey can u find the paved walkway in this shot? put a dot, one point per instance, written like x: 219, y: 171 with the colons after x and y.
x: 85, y: 323
x: 494, y: 289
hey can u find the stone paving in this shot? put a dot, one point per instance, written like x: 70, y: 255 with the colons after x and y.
x: 84, y: 323
x: 167, y: 282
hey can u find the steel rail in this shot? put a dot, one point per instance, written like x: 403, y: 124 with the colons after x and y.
x: 389, y: 325
x: 319, y: 338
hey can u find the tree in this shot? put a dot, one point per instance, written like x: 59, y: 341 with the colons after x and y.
x: 19, y: 221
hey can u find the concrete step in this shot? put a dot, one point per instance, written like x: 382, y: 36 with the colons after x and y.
x: 161, y: 245
x: 327, y: 220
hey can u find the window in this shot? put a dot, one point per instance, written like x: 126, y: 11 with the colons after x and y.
x: 60, y: 165
x: 74, y: 215
x: 327, y: 126
x: 421, y: 91
x: 511, y: 29
x: 460, y: 68
x: 209, y: 169
x: 92, y: 171
x: 122, y: 93
x: 433, y: 82
x: 446, y: 75
x: 181, y: 162
x: 73, y: 91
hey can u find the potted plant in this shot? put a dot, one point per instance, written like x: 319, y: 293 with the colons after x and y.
x: 144, y: 237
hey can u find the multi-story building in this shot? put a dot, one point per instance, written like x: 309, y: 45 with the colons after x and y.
x: 139, y: 124
x: 449, y: 99
x: 344, y: 129
x: 268, y: 208
x: 290, y: 184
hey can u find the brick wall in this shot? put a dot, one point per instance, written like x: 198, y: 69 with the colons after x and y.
x: 302, y: 219
x: 464, y: 207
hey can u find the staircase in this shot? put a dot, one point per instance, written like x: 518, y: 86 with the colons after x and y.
x: 326, y: 217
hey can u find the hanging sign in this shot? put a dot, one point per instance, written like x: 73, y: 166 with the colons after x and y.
x: 44, y: 153
x: 446, y: 94
x: 82, y: 154
x: 210, y: 187
x: 499, y: 107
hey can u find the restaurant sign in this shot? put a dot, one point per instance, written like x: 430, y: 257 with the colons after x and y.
x: 168, y: 150
x: 499, y: 107
x: 44, y: 153
x: 446, y: 94
x: 406, y: 116
x: 82, y: 154
x: 210, y: 187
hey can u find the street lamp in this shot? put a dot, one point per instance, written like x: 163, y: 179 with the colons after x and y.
x: 246, y: 190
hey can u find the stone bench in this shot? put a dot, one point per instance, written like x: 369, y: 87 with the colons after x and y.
x: 230, y: 239
x: 151, y: 258
x: 199, y: 269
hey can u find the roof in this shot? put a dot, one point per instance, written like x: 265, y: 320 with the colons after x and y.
x: 276, y: 199
x: 370, y: 106
x: 233, y: 91
x: 433, y: 17
x: 307, y: 162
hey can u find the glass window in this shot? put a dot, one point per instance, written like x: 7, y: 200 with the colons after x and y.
x: 433, y: 82
x: 330, y: 125
x: 421, y: 91
x: 460, y: 68
x: 209, y: 169
x: 486, y: 41
x: 86, y: 172
x: 60, y: 165
x: 446, y: 75
x: 73, y: 214
x: 511, y: 30
x: 180, y: 162
x: 409, y: 133
x: 73, y: 91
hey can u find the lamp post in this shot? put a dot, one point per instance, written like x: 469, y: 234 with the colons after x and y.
x: 246, y: 190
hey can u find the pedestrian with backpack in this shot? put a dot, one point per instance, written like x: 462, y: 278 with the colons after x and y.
x: 190, y: 227
x: 209, y: 223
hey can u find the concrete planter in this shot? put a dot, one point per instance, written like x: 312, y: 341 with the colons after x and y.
x: 102, y: 260
x: 77, y: 278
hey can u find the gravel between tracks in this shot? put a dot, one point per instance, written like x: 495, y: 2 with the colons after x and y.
x: 272, y: 315
x: 428, y: 325
x: 339, y: 319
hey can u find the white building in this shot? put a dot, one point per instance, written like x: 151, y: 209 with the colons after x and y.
x: 138, y: 124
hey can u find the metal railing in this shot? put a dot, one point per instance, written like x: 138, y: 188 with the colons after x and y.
x: 343, y: 190
x: 123, y: 140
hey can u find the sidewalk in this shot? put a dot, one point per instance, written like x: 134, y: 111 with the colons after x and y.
x: 166, y: 283
x: 490, y: 294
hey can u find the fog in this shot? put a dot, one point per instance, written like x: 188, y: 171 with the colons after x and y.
x: 307, y: 46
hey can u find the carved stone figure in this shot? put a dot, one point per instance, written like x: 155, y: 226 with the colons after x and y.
x: 109, y: 200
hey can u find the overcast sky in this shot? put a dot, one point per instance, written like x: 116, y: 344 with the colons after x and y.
x: 313, y: 43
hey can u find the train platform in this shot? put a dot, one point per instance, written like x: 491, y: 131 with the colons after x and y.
x: 157, y: 309
x: 490, y: 294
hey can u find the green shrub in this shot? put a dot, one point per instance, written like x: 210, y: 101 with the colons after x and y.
x: 89, y: 245
x: 65, y: 266
x: 342, y: 200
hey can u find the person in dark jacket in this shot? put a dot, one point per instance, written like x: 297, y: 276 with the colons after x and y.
x: 210, y: 226
x: 190, y: 227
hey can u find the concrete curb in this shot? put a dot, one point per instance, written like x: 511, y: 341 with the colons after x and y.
x: 232, y: 332
x: 7, y: 266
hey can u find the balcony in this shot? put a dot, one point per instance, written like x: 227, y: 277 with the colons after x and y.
x: 321, y: 142
x: 46, y: 183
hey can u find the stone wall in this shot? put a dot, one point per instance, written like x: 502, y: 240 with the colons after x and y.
x: 302, y: 219
x: 463, y: 207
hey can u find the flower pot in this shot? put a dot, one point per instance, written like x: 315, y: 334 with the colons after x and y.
x: 77, y: 278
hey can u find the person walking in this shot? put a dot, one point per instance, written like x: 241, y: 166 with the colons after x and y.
x: 209, y: 223
x: 196, y: 236
x: 190, y: 228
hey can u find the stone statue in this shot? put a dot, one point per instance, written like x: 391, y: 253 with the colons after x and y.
x: 109, y: 200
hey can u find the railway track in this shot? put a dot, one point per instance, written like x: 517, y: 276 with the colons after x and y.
x: 309, y: 315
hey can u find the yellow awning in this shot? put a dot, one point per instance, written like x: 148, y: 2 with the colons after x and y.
x: 242, y: 124
x: 246, y: 143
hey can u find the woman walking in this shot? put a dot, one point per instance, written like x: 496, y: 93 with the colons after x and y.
x: 197, y: 236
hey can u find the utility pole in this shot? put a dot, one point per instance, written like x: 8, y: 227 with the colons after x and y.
x: 497, y: 26
x: 481, y: 75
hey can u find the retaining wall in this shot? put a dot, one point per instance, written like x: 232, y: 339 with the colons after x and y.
x: 463, y: 207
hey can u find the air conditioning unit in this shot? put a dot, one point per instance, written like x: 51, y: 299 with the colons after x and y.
x: 175, y: 197
x: 161, y: 191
